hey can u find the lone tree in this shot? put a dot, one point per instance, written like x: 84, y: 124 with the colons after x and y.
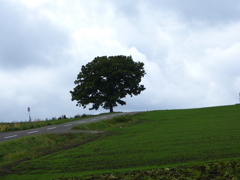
x: 106, y: 80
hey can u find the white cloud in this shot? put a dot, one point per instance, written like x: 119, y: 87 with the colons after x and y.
x: 35, y: 3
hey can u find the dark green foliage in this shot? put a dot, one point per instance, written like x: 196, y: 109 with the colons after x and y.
x: 63, y: 117
x: 83, y: 115
x: 106, y: 80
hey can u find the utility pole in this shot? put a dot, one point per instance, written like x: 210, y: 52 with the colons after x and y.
x: 29, y: 114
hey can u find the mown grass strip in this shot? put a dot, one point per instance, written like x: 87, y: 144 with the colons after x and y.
x: 15, y: 126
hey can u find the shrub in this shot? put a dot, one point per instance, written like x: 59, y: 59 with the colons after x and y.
x: 77, y: 116
x: 84, y: 115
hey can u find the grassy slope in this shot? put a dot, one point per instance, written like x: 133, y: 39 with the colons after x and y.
x: 161, y: 138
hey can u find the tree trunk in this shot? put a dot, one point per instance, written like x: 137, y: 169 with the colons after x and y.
x: 111, y: 108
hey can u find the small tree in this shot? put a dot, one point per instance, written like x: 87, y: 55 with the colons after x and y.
x: 106, y: 80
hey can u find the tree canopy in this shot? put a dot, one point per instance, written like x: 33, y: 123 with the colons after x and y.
x: 106, y: 80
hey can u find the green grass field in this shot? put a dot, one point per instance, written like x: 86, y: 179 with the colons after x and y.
x: 155, y: 139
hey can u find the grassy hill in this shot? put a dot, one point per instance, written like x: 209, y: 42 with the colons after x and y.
x: 150, y: 140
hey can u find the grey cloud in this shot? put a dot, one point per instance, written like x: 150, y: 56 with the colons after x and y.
x: 204, y: 10
x: 200, y: 10
x: 28, y: 40
x: 130, y: 10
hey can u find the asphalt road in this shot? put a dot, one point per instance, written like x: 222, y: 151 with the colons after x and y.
x: 61, y: 128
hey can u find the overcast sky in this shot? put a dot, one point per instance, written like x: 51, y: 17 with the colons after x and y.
x: 191, y: 52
